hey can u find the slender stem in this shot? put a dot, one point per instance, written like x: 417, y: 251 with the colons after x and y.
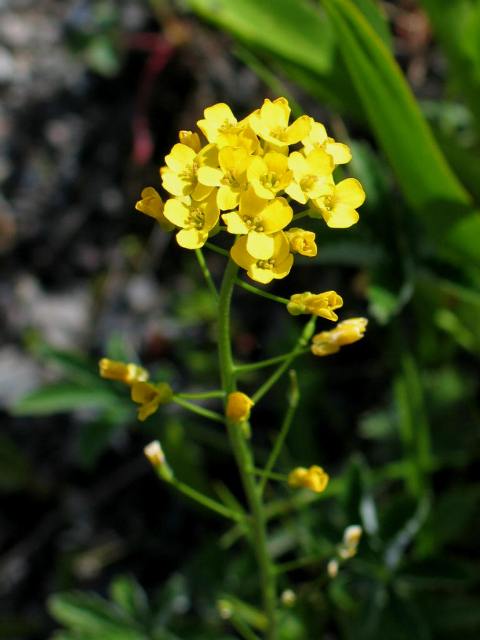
x: 245, y: 368
x: 201, y: 411
x: 300, y: 346
x: 280, y: 477
x: 243, y: 454
x: 213, y: 247
x: 204, y: 500
x: 299, y: 216
x: 201, y: 395
x: 206, y: 273
x: 243, y: 629
x: 260, y: 292
x: 293, y: 399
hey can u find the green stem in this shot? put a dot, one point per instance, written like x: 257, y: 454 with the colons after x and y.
x: 243, y: 629
x: 302, y: 342
x: 270, y: 475
x: 213, y: 247
x: 201, y: 395
x: 293, y: 398
x: 245, y: 368
x: 204, y: 500
x: 201, y: 411
x: 206, y: 273
x: 243, y: 454
x: 260, y: 292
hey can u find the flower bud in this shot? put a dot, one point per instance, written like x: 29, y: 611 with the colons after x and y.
x: 313, y: 478
x: 154, y: 454
x: 151, y: 204
x: 346, y: 332
x: 317, y: 304
x: 238, y: 406
x: 121, y: 371
x: 302, y: 242
x: 332, y: 568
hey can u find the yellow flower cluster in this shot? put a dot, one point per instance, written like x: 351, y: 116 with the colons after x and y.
x: 148, y: 395
x: 249, y: 177
x: 314, y: 478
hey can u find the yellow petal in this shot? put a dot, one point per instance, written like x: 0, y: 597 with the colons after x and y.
x: 240, y: 254
x: 227, y: 198
x: 316, y: 136
x: 298, y: 165
x: 201, y: 192
x: 276, y: 162
x: 190, y: 139
x: 233, y: 160
x: 283, y: 267
x: 350, y: 192
x: 264, y: 276
x: 320, y: 162
x: 209, y: 176
x: 174, y: 184
x: 295, y: 191
x: 298, y: 129
x: 251, y: 204
x: 191, y: 238
x: 341, y: 217
x: 179, y: 157
x: 234, y: 223
x: 260, y: 246
x: 276, y: 216
x: 340, y: 152
x: 215, y: 116
x: 177, y: 210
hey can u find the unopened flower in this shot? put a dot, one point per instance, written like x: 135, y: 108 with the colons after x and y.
x: 352, y: 535
x: 259, y: 219
x: 190, y: 139
x: 150, y: 396
x: 339, y: 209
x: 152, y: 205
x: 238, y: 406
x: 154, y: 454
x: 302, y: 242
x: 127, y: 373
x: 288, y: 598
x: 322, y: 305
x: 346, y: 332
x: 264, y: 270
x: 318, y: 138
x: 270, y: 123
x: 196, y: 219
x: 314, y: 478
x: 332, y: 568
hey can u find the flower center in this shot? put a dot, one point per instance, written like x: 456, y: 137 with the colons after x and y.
x: 266, y: 264
x: 253, y: 224
x: 270, y: 181
x: 196, y: 220
x: 279, y: 133
x: 328, y: 203
x: 308, y: 182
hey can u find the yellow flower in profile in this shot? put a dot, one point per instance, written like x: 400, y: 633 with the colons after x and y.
x: 314, y: 478
x: 127, y: 373
x: 346, y: 332
x: 339, y: 208
x: 222, y: 128
x: 152, y: 205
x: 270, y: 123
x: 238, y: 406
x: 230, y: 177
x: 322, y: 305
x: 269, y: 175
x: 197, y: 219
x: 150, y: 397
x: 302, y: 242
x: 180, y: 176
x: 318, y: 138
x: 259, y: 219
x: 261, y: 270
x: 312, y: 175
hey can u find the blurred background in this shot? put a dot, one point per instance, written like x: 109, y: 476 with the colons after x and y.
x: 93, y: 93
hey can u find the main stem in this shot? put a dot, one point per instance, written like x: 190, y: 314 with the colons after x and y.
x: 243, y: 455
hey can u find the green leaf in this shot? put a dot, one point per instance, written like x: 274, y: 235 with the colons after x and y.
x: 395, y: 118
x: 87, y: 613
x: 126, y: 592
x: 61, y: 397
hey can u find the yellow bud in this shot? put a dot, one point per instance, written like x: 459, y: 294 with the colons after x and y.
x: 154, y: 454
x: 352, y: 535
x: 121, y: 371
x: 332, y: 568
x: 314, y: 478
x: 238, y: 406
x: 346, y: 332
x: 190, y: 139
x: 317, y: 304
x: 302, y: 242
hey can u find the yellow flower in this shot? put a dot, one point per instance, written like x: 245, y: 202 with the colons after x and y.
x: 259, y: 219
x: 346, y: 332
x: 262, y: 270
x: 180, y: 176
x: 150, y: 397
x: 339, y: 208
x: 269, y: 175
x: 312, y: 175
x: 238, y: 406
x: 313, y: 478
x: 270, y: 123
x: 197, y: 219
x: 231, y: 177
x: 121, y: 371
x: 190, y: 139
x: 317, y: 304
x: 318, y: 138
x: 221, y: 127
x: 152, y: 205
x: 302, y: 242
